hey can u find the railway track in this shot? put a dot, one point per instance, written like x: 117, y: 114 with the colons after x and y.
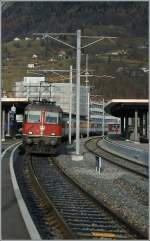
x: 71, y: 213
x: 132, y: 166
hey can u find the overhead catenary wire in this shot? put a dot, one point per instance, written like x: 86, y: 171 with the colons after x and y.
x: 78, y: 63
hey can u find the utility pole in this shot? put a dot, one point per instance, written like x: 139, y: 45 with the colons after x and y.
x: 70, y: 105
x: 86, y: 71
x: 78, y: 61
x: 88, y: 119
x: 28, y: 90
x: 40, y: 91
x: 103, y: 124
x: 50, y: 92
x: 88, y: 95
x: 8, y: 124
x: 3, y: 125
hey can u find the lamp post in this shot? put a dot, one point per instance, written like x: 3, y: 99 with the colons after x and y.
x: 88, y: 95
x: 103, y: 123
x: 8, y: 124
x: 70, y: 105
x: 88, y: 116
x: 40, y: 91
x: 3, y: 125
x: 78, y: 92
x: 13, y: 120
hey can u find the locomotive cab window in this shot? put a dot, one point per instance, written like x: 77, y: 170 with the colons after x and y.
x: 26, y: 116
x: 60, y: 118
x: 51, y: 117
x: 33, y: 116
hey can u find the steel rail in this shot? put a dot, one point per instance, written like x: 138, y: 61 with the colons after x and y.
x: 98, y: 201
x: 97, y: 150
x: 63, y: 227
x: 76, y: 206
x: 128, y: 148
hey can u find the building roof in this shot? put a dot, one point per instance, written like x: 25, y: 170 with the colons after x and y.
x: 19, y: 103
x: 13, y: 99
x: 126, y: 107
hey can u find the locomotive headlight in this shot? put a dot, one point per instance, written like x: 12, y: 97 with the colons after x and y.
x: 30, y: 132
x: 52, y: 134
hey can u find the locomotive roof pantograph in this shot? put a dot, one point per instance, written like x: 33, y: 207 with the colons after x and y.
x: 44, y: 105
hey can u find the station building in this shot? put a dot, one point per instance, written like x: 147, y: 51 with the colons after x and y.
x: 36, y: 88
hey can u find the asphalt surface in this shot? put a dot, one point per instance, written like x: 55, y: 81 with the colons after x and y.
x: 12, y: 224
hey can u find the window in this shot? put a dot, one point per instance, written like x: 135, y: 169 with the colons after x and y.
x: 60, y: 118
x: 51, y: 117
x: 34, y: 116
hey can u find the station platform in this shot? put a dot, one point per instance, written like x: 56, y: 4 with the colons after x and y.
x: 117, y: 189
x: 12, y: 223
x: 138, y: 145
x: 133, y: 151
x: 8, y: 142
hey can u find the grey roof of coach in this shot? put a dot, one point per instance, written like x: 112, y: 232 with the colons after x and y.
x: 42, y: 106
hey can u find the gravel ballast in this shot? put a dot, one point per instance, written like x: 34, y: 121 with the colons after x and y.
x: 123, y: 192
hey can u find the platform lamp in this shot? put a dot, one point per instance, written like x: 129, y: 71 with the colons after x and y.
x: 3, y: 126
x: 8, y: 124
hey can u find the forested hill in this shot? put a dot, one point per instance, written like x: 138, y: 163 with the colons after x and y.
x: 125, y: 18
x: 125, y: 58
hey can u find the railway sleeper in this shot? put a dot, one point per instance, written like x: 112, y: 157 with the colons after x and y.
x: 79, y: 213
x: 68, y: 214
x: 63, y: 199
x: 94, y: 224
x: 83, y: 211
x: 76, y: 205
x: 94, y: 221
x: 75, y: 210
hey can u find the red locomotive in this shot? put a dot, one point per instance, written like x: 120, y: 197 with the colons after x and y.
x: 45, y: 124
x: 42, y: 126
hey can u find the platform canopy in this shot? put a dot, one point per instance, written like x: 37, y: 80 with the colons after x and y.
x: 19, y: 103
x: 126, y: 107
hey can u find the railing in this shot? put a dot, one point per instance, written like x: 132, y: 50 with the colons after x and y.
x: 131, y: 153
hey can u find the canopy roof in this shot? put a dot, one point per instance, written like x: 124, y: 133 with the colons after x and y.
x: 126, y: 107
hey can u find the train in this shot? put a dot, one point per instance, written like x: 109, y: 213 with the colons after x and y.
x: 114, y: 128
x: 42, y: 126
x: 45, y: 125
